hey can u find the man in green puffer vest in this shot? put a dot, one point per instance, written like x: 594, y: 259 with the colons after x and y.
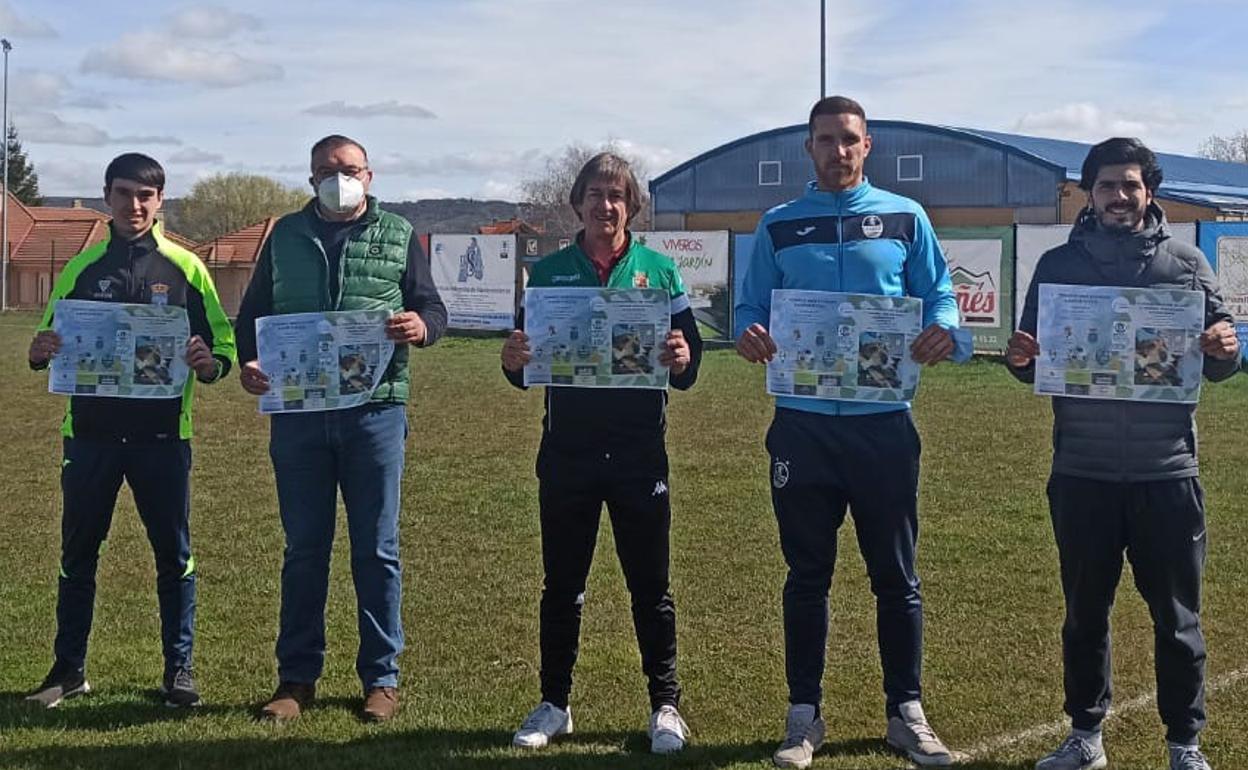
x: 341, y: 252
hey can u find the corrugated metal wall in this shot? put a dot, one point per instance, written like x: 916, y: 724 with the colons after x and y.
x: 956, y: 172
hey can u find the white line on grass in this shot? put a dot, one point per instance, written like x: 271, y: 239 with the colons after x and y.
x: 1059, y: 727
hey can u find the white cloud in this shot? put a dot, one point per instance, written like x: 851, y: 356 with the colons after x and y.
x: 38, y: 127
x: 16, y: 25
x: 494, y: 189
x: 1080, y: 121
x: 141, y: 139
x: 36, y: 88
x: 460, y: 163
x: 149, y: 56
x: 391, y: 109
x: 48, y: 128
x: 209, y: 22
x: 194, y: 155
x: 69, y: 176
x: 426, y: 193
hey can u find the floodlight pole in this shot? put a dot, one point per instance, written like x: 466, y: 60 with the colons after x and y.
x: 823, y: 48
x: 4, y: 205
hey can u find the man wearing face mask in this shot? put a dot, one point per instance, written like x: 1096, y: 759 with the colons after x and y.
x: 341, y: 252
x: 1125, y: 472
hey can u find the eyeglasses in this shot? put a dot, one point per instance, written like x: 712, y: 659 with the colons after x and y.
x: 324, y: 172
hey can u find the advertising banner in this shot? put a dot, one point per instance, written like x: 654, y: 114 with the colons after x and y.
x: 476, y: 278
x: 702, y: 258
x: 981, y: 270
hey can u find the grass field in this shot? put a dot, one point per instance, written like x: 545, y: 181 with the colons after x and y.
x: 472, y: 578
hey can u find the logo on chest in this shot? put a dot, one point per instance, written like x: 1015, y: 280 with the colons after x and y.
x: 105, y: 289
x: 641, y: 280
x: 160, y: 293
x: 872, y: 226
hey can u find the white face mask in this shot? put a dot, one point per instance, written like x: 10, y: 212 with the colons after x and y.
x: 340, y: 193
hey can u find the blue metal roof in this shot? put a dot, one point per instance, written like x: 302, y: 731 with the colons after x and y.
x: 1175, y: 168
x: 1193, y: 180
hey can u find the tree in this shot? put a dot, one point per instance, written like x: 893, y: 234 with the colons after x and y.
x: 546, y: 192
x: 1233, y: 148
x: 23, y: 180
x: 223, y: 203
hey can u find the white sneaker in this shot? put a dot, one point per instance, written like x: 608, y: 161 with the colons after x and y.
x: 543, y: 723
x: 803, y: 735
x: 668, y: 732
x: 913, y: 736
x: 1183, y: 757
x: 1077, y: 752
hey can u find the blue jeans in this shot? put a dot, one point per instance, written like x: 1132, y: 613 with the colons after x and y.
x: 359, y: 450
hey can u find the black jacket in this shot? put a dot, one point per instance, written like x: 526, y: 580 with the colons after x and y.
x: 1114, y: 440
x: 138, y: 272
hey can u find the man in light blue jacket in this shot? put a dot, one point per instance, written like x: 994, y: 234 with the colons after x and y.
x: 844, y: 235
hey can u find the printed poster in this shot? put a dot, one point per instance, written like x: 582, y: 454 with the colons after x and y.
x: 834, y: 345
x: 1120, y: 343
x: 321, y: 361
x: 596, y: 337
x: 476, y: 278
x: 119, y: 350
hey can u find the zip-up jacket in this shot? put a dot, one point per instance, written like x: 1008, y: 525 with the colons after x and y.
x: 620, y: 423
x: 150, y: 269
x: 1113, y: 440
x: 863, y: 241
x: 374, y: 262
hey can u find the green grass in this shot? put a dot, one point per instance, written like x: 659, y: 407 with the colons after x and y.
x: 472, y: 578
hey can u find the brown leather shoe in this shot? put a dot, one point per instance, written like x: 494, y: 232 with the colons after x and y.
x: 380, y: 704
x: 289, y: 701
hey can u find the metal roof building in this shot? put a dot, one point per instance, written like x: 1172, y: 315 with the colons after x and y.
x: 962, y: 176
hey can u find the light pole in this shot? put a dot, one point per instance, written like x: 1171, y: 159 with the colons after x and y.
x: 823, y: 48
x: 4, y: 205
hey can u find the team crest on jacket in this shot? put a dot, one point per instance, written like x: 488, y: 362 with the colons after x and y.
x: 160, y: 293
x: 872, y: 226
x: 780, y: 473
x: 641, y: 280
x: 105, y: 289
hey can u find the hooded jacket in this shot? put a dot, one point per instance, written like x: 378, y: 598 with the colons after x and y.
x: 1126, y: 441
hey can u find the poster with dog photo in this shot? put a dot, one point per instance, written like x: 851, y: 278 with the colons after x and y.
x: 119, y: 350
x: 321, y: 361
x: 850, y: 347
x: 591, y: 337
x: 1119, y: 343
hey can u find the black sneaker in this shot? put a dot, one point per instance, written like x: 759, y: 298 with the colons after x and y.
x: 61, y: 682
x: 178, y: 689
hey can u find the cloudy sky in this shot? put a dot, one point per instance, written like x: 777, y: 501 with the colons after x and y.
x: 467, y: 97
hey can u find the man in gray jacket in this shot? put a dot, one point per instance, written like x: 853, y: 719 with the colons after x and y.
x: 1125, y: 472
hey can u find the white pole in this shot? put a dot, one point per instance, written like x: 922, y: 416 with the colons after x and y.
x: 4, y: 205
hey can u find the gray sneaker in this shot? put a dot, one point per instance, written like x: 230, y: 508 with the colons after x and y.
x: 62, y: 682
x: 803, y: 735
x: 668, y: 731
x: 1187, y: 758
x: 1077, y: 752
x: 913, y: 736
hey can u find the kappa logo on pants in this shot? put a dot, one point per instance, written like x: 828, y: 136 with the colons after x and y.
x: 660, y: 488
x: 779, y: 473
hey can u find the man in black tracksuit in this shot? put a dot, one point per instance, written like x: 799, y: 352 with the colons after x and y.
x: 145, y: 442
x: 1125, y: 472
x: 607, y: 445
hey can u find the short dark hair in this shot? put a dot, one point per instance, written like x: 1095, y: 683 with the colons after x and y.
x: 835, y: 105
x: 1117, y: 151
x: 333, y: 142
x: 136, y: 166
x: 609, y: 166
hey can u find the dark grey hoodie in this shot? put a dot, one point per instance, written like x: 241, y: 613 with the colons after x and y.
x: 1126, y: 440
